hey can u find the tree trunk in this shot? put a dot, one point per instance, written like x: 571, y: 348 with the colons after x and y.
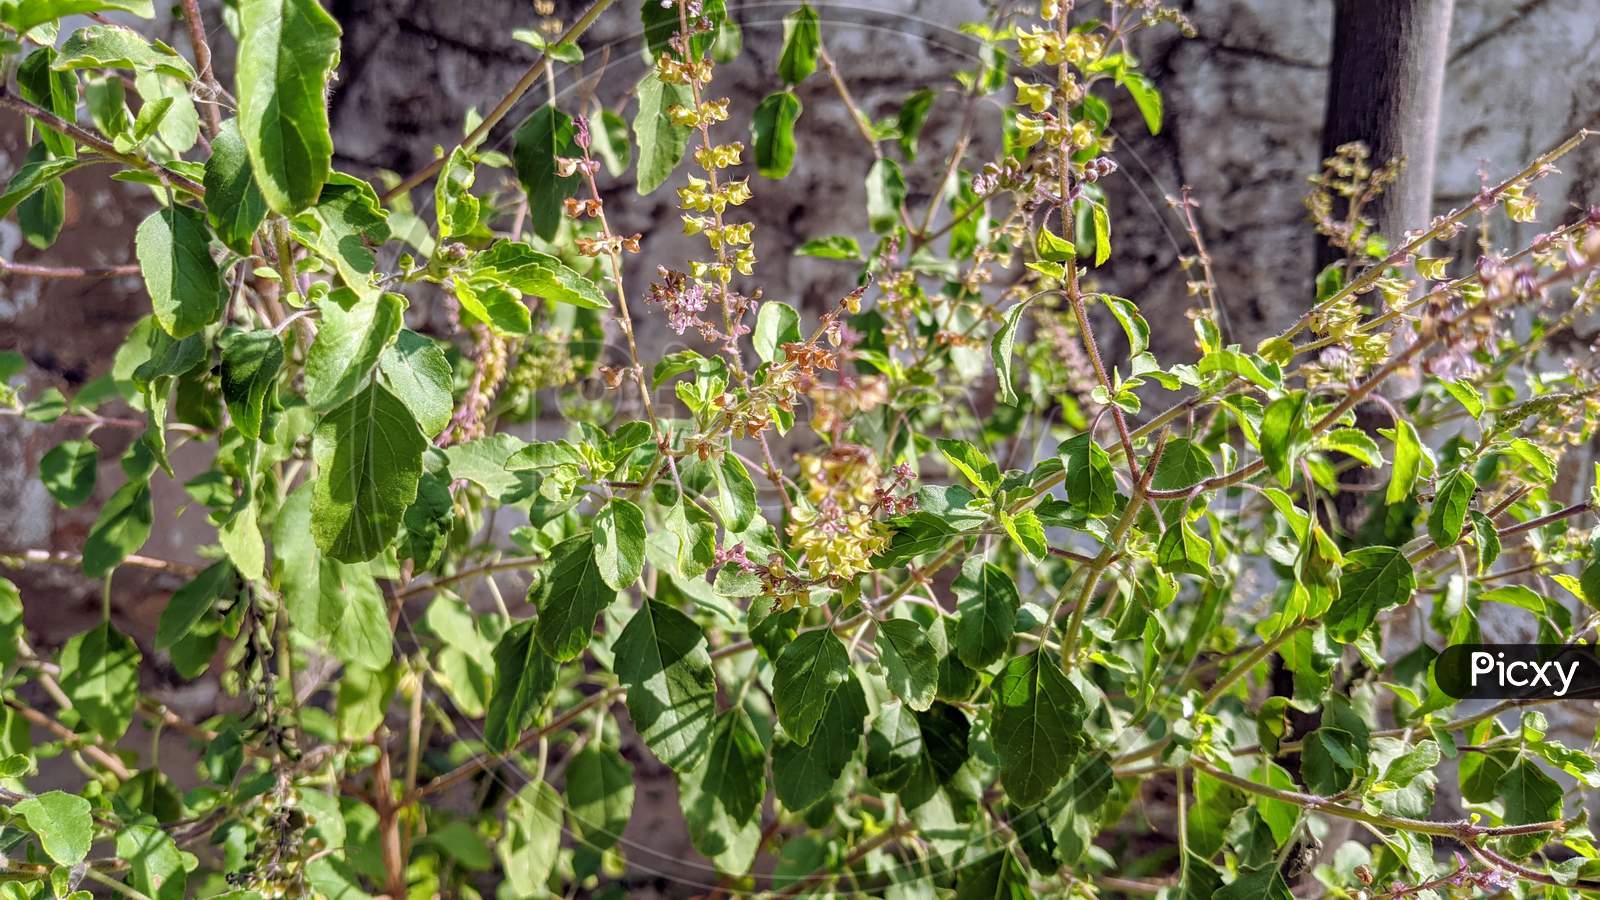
x: 1384, y: 85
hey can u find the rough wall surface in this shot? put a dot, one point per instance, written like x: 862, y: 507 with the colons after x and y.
x: 1244, y: 101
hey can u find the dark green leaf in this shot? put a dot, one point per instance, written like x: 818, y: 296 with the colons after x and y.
x: 368, y: 452
x: 809, y: 670
x: 524, y: 677
x: 909, y: 662
x: 234, y: 204
x: 190, y: 603
x: 801, y: 35
x: 661, y: 141
x: 250, y: 363
x: 287, y: 52
x: 100, y: 675
x: 569, y: 598
x: 173, y: 246
x: 773, y: 129
x: 68, y: 471
x: 804, y: 774
x: 1373, y: 579
x: 599, y: 795
x: 721, y: 798
x: 122, y: 528
x: 1038, y: 726
x: 546, y: 135
x: 661, y: 658
x: 987, y: 602
x: 1450, y: 505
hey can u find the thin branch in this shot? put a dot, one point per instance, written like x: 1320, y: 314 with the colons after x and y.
x: 28, y: 270
x: 44, y: 117
x: 501, y: 109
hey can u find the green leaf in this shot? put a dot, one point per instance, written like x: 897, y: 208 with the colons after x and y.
x: 773, y: 129
x: 661, y: 23
x: 330, y: 602
x: 62, y: 822
x: 288, y: 50
x: 997, y: 876
x: 913, y: 114
x: 234, y: 204
x: 1102, y: 233
x: 909, y: 662
x: 662, y: 659
x: 972, y: 463
x: 341, y: 228
x: 1090, y: 484
x: 351, y: 337
x: 1038, y: 727
x: 1373, y: 579
x: 803, y: 774
x: 155, y: 862
x: 100, y: 675
x: 179, y: 122
x: 250, y: 363
x: 777, y: 324
x: 41, y: 215
x: 1529, y: 796
x: 34, y: 176
x: 54, y: 91
x: 117, y: 47
x: 801, y: 36
x: 1027, y: 530
x: 835, y: 246
x: 599, y: 795
x: 495, y: 305
x: 661, y: 141
x: 454, y: 205
x: 1487, y: 539
x: 1450, y: 504
x: 190, y: 603
x: 570, y: 597
x: 619, y: 543
x: 886, y: 190
x: 416, y: 370
x: 368, y: 452
x: 987, y: 601
x: 69, y: 470
x: 722, y: 797
x: 174, y: 250
x: 1466, y: 394
x: 532, y: 840
x: 611, y: 140
x: 736, y: 494
x: 1212, y: 809
x: 23, y: 16
x: 1145, y: 96
x: 121, y: 529
x: 1052, y: 248
x: 1408, y: 461
x: 1284, y: 434
x: 1265, y: 883
x: 808, y: 671
x: 1182, y: 551
x: 1000, y: 350
x: 519, y: 266
x: 545, y: 136
x: 524, y: 677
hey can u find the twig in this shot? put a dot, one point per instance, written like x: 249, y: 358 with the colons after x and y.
x: 501, y: 109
